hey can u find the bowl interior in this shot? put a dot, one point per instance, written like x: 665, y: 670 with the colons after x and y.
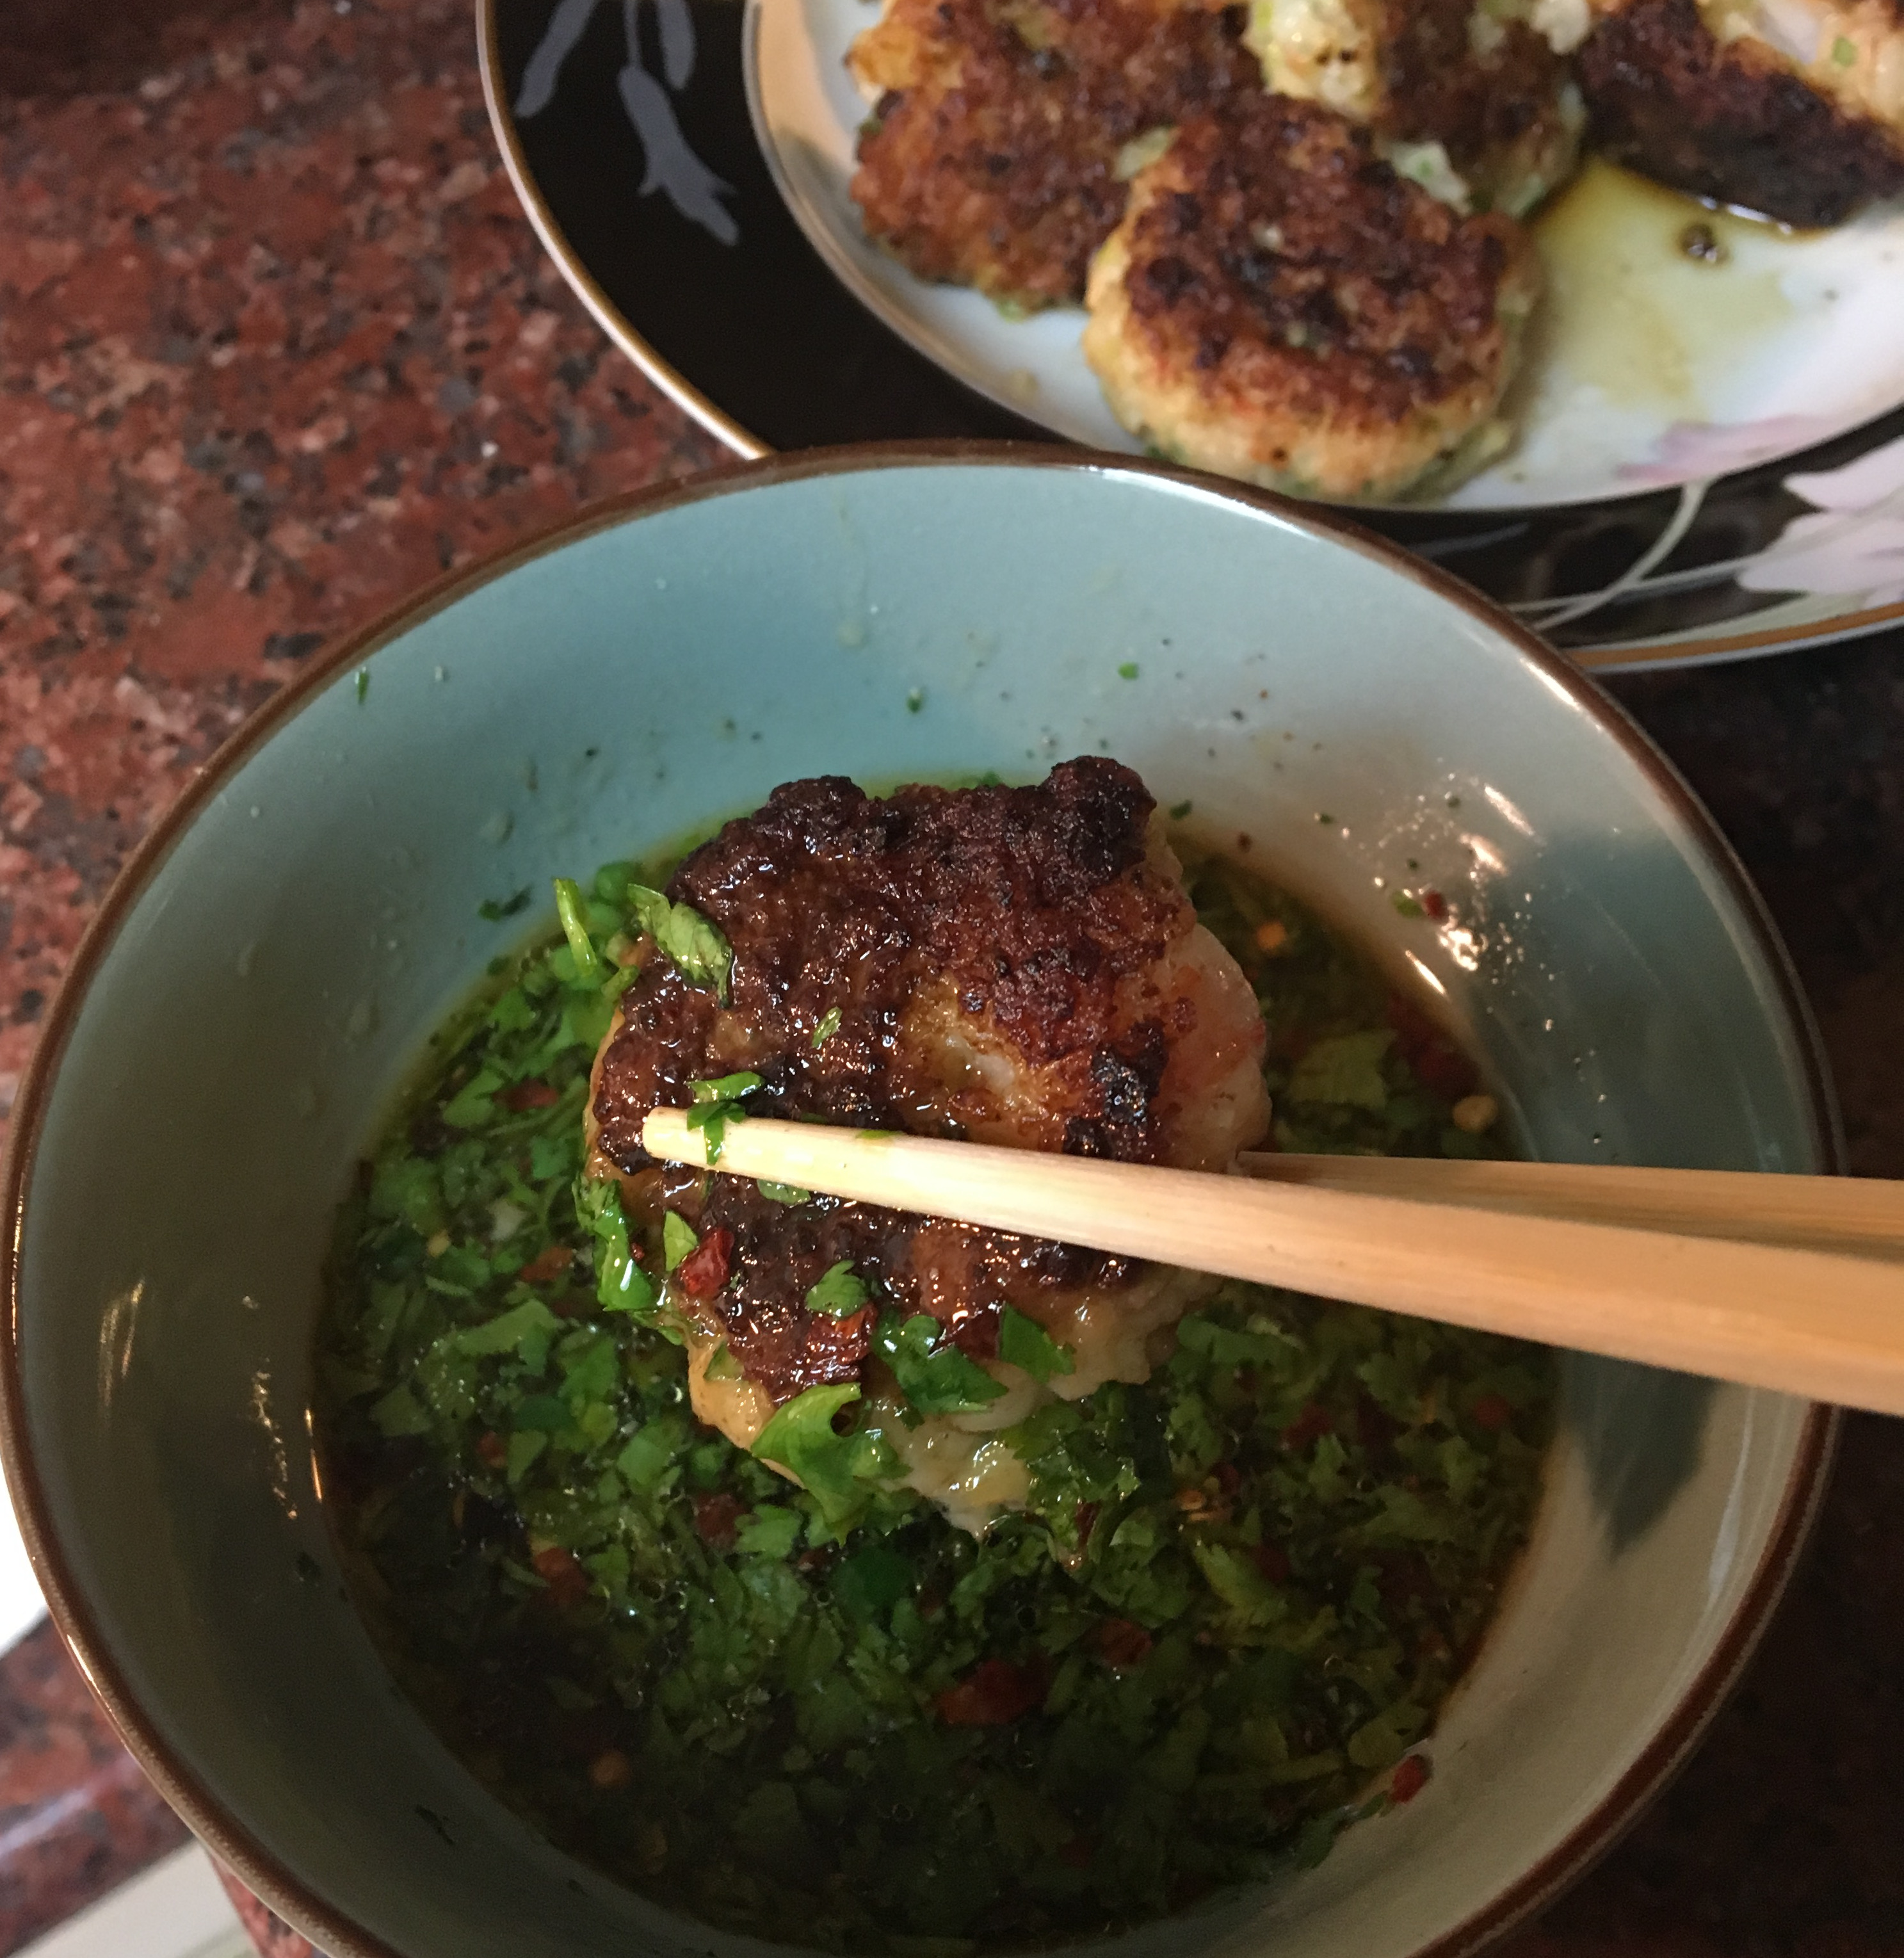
x: 272, y: 973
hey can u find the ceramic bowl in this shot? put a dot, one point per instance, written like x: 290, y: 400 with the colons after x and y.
x: 266, y: 971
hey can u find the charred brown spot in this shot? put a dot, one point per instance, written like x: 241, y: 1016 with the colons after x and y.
x: 1731, y: 123
x: 1312, y: 274
x: 996, y: 165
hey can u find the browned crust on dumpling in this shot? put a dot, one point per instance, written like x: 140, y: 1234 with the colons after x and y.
x: 1733, y: 123
x: 990, y: 160
x: 1279, y: 305
x: 1034, y: 906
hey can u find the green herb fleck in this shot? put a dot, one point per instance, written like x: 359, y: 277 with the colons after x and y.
x: 1407, y: 905
x: 783, y: 1193
x: 620, y: 1285
x: 678, y: 1239
x: 1128, y: 670
x: 570, y: 908
x: 828, y: 1026
x: 494, y: 911
x: 935, y: 1376
x: 1179, y: 809
x: 363, y: 672
x: 1844, y: 52
x: 840, y: 1293
x: 1022, y: 1342
x: 836, y: 1469
x: 916, y: 700
x: 1347, y: 1069
x: 693, y: 943
x: 716, y: 1104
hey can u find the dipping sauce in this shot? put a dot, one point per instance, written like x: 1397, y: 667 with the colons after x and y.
x: 1218, y: 1629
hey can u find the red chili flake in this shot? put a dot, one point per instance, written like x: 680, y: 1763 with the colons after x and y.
x: 994, y: 1693
x: 1122, y: 1644
x: 1077, y: 1853
x: 567, y: 1581
x: 1273, y: 1561
x: 492, y: 1449
x: 1311, y: 1425
x: 1229, y: 1478
x: 714, y: 1518
x: 1085, y: 1521
x: 528, y: 1094
x: 1491, y: 1412
x: 704, y: 1271
x: 551, y: 1263
x: 1409, y: 1779
x: 1434, y: 903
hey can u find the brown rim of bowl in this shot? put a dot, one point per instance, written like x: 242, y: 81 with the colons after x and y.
x: 222, y: 1832
x: 1641, y: 653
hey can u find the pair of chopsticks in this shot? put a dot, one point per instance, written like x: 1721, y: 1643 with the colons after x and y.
x: 1792, y: 1282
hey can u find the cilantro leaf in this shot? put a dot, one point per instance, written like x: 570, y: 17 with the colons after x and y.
x: 935, y: 1376
x: 694, y: 944
x: 840, y: 1293
x: 620, y: 1285
x: 716, y: 1104
x: 570, y: 908
x: 1024, y: 1343
x: 828, y: 1026
x: 726, y: 1087
x: 678, y: 1239
x: 508, y: 1329
x: 836, y: 1470
x: 1346, y: 1070
x: 494, y: 911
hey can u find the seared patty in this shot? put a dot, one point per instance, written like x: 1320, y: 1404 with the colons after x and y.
x: 992, y: 157
x: 1018, y: 965
x: 1278, y: 306
x: 1735, y: 120
x: 1479, y: 80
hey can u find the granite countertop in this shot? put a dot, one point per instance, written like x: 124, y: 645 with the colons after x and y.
x: 276, y: 347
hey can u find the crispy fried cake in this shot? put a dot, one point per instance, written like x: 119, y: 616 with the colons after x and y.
x: 998, y: 149
x: 1798, y: 113
x: 1474, y: 102
x: 1278, y: 306
x: 1020, y: 966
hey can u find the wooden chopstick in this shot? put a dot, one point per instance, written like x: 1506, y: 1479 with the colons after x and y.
x: 1858, y: 1215
x: 1826, y: 1324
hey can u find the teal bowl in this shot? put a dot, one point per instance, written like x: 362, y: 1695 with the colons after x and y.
x: 264, y: 975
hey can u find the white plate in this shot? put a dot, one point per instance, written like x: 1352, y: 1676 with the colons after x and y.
x: 1644, y: 367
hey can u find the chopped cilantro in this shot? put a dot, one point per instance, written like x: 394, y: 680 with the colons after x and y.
x: 693, y: 944
x: 1178, y: 810
x: 569, y: 907
x: 1227, y: 1591
x: 783, y: 1193
x: 935, y: 1376
x: 1347, y: 1068
x: 678, y: 1239
x: 1024, y: 1342
x: 1844, y: 52
x: 840, y: 1293
x: 836, y: 1469
x: 716, y: 1104
x: 1128, y: 670
x: 828, y: 1026
x: 363, y: 684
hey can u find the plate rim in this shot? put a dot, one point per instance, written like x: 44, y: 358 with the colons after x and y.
x: 186, y: 1789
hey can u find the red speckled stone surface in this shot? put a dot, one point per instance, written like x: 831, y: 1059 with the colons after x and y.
x: 275, y: 347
